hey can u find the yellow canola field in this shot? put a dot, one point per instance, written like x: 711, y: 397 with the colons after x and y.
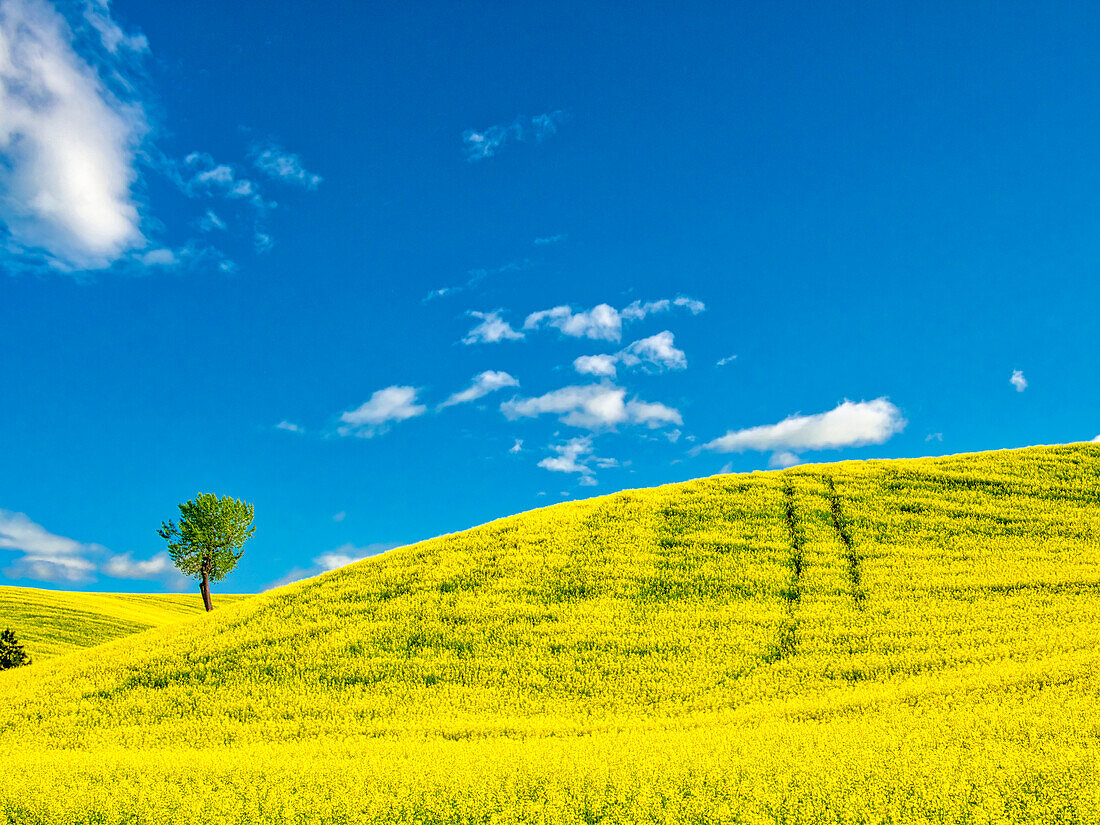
x: 862, y: 642
x: 49, y: 623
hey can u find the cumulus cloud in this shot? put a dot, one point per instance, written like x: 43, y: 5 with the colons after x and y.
x: 850, y: 424
x: 289, y: 426
x: 279, y: 164
x: 44, y: 556
x: 483, y: 384
x: 656, y: 353
x: 603, y: 322
x: 68, y: 142
x: 480, y: 144
x: 568, y: 457
x: 592, y: 407
x: 384, y: 408
x: 492, y: 329
x: 517, y: 446
x: 601, y: 365
x: 1018, y: 381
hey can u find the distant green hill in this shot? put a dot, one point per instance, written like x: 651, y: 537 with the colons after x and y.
x: 51, y: 622
x: 862, y: 642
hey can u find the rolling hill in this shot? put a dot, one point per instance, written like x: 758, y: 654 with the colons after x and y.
x: 881, y: 641
x: 50, y: 622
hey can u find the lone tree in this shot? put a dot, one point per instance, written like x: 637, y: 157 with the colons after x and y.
x: 209, y: 539
x: 12, y: 653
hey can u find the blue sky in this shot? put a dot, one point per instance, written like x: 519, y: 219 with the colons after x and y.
x: 391, y: 272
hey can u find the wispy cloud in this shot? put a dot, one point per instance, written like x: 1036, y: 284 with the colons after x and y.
x: 476, y: 276
x: 279, y: 164
x: 850, y: 424
x: 549, y: 239
x: 592, y: 407
x: 603, y: 322
x: 342, y: 556
x: 70, y: 129
x: 933, y: 437
x: 289, y: 426
x: 784, y: 459
x: 45, y: 556
x: 384, y: 408
x: 1018, y: 381
x: 574, y: 456
x: 483, y: 384
x: 480, y: 144
x: 492, y: 329
x: 656, y: 353
x: 729, y: 359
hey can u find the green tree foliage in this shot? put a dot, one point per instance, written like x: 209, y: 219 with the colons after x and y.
x: 209, y: 539
x: 12, y: 653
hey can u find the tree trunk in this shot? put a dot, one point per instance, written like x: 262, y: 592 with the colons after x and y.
x: 205, y: 588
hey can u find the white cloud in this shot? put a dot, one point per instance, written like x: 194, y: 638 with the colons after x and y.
x: 338, y: 517
x: 933, y: 437
x: 125, y: 567
x: 729, y: 359
x: 592, y: 407
x: 1018, y: 381
x: 159, y: 257
x: 784, y: 459
x: 638, y: 310
x: 68, y: 143
x: 549, y: 239
x: 97, y: 13
x: 210, y: 221
x: 47, y: 557
x: 690, y: 304
x: 480, y: 144
x: 851, y: 424
x: 282, y: 165
x: 483, y: 384
x: 342, y: 556
x: 602, y: 365
x: 492, y: 329
x: 570, y: 457
x: 603, y: 322
x: 289, y: 426
x: 202, y: 175
x: 656, y: 352
x: 1096, y: 440
x: 385, y: 407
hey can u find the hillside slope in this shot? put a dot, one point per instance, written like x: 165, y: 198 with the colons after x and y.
x: 874, y: 641
x: 51, y: 622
